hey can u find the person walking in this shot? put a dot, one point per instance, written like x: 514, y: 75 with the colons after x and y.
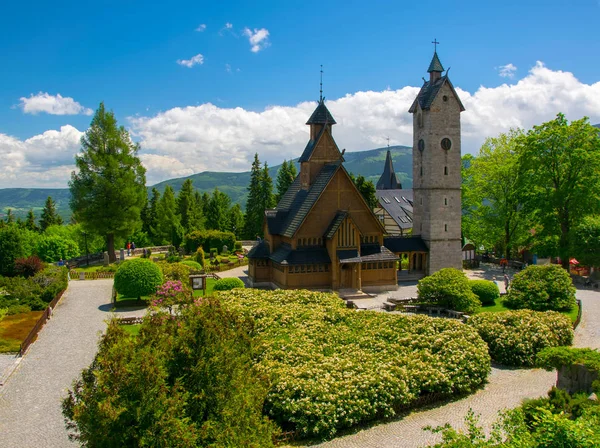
x: 128, y: 249
x: 506, y: 282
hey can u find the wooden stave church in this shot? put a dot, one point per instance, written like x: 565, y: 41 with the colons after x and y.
x: 322, y: 234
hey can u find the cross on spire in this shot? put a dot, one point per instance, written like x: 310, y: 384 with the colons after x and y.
x: 388, y: 140
x: 321, y: 90
x: 435, y: 44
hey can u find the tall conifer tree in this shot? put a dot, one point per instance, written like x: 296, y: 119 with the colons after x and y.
x: 49, y: 215
x: 186, y: 205
x: 253, y: 218
x: 30, y: 222
x: 236, y: 220
x: 169, y: 224
x: 217, y: 216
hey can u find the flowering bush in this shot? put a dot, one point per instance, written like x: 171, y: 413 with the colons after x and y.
x: 332, y: 367
x: 449, y: 288
x: 515, y: 337
x: 170, y: 293
x: 542, y: 288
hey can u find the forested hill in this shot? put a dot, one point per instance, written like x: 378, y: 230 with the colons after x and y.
x: 367, y: 163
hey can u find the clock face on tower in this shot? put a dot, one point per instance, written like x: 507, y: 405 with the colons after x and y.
x: 421, y: 145
x: 446, y: 144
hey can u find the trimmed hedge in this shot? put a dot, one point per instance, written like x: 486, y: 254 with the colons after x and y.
x: 542, y: 288
x: 515, y: 338
x: 485, y: 290
x: 226, y: 284
x: 199, y: 257
x: 193, y: 264
x: 137, y: 278
x: 448, y: 288
x: 207, y: 239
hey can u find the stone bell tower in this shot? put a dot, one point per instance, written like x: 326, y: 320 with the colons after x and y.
x: 437, y: 169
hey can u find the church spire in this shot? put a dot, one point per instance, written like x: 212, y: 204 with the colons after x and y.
x: 388, y: 179
x: 435, y: 67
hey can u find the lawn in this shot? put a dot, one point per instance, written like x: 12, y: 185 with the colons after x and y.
x: 124, y: 302
x: 14, y: 329
x: 210, y: 284
x: 499, y: 307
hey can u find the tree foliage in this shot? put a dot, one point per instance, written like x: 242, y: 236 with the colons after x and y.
x: 260, y: 198
x: 285, y: 177
x: 585, y: 241
x: 190, y: 213
x: 217, y: 213
x: 108, y: 190
x: 187, y: 382
x: 12, y: 246
x: 49, y: 215
x: 169, y: 229
x: 367, y: 190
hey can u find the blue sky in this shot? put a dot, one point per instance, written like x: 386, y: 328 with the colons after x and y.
x: 126, y: 53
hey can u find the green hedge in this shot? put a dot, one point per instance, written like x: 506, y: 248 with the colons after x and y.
x: 192, y: 264
x: 225, y: 284
x: 557, y: 357
x: 34, y: 292
x: 542, y: 288
x: 516, y: 337
x: 207, y: 239
x: 448, y: 288
x: 175, y: 271
x: 485, y: 290
x: 137, y: 278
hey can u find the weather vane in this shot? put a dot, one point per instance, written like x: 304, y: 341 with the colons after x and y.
x: 321, y: 90
x: 435, y: 44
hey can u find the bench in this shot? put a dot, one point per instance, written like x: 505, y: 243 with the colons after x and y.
x: 389, y: 306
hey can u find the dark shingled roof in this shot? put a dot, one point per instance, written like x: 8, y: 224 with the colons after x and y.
x: 321, y: 115
x: 303, y: 201
x: 374, y: 252
x: 435, y: 65
x: 348, y: 256
x: 428, y: 93
x: 261, y: 250
x: 275, y: 220
x: 286, y: 200
x: 399, y: 205
x: 399, y: 244
x: 388, y: 179
x: 336, y: 222
x: 309, y: 255
x: 310, y: 146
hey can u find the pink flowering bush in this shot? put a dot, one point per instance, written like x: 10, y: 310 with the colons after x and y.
x: 170, y: 293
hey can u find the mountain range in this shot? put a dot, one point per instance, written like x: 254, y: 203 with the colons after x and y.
x: 366, y: 163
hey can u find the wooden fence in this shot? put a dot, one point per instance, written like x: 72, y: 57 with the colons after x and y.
x: 76, y: 275
x: 40, y: 323
x: 579, y: 312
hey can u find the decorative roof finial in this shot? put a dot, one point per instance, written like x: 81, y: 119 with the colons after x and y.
x: 435, y: 44
x: 321, y: 90
x: 388, y: 140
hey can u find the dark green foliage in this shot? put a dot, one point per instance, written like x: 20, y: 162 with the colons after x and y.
x: 260, y: 198
x: 187, y: 382
x: 541, y: 288
x: 285, y: 177
x: 238, y: 245
x: 137, y: 278
x: 12, y: 246
x: 367, y: 190
x: 169, y: 229
x: 208, y: 239
x: 226, y: 284
x: 30, y: 222
x: 35, y: 291
x: 557, y: 357
x: 217, y: 211
x: 27, y: 267
x: 108, y: 191
x: 585, y: 241
x: 52, y: 248
x: 236, y: 220
x: 17, y: 309
x: 52, y: 280
x: 175, y: 271
x: 150, y: 224
x: 516, y: 337
x: 49, y: 215
x: 448, y: 288
x: 190, y: 213
x: 485, y: 290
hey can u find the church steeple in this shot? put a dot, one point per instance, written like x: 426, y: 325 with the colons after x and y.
x: 435, y: 68
x: 388, y: 180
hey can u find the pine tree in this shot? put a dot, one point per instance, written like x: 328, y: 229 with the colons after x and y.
x: 266, y: 187
x: 204, y: 202
x: 49, y: 216
x: 217, y: 217
x: 152, y: 216
x: 30, y: 223
x: 186, y: 205
x: 236, y: 221
x: 254, y: 219
x: 10, y: 218
x: 108, y: 190
x: 285, y: 177
x: 169, y: 226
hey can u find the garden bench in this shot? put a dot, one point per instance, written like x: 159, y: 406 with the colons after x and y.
x: 411, y: 308
x: 389, y: 306
x: 454, y: 314
x: 434, y: 310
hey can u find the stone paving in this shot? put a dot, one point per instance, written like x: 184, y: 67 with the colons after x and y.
x: 506, y: 389
x: 30, y: 401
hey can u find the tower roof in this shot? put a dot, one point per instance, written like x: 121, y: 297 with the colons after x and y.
x: 388, y: 180
x: 321, y: 115
x: 435, y: 65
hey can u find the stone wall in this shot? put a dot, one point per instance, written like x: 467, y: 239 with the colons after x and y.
x: 576, y: 378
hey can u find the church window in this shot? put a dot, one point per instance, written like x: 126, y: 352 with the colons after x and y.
x: 446, y: 144
x: 445, y: 227
x: 421, y: 171
x: 445, y: 201
x: 320, y: 268
x: 326, y: 268
x: 302, y: 269
x: 446, y: 170
x: 420, y: 119
x: 445, y: 98
x: 421, y: 145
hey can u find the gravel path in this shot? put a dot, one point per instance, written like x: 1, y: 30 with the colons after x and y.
x: 506, y: 389
x: 30, y: 411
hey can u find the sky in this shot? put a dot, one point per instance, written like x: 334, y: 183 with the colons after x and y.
x: 202, y: 86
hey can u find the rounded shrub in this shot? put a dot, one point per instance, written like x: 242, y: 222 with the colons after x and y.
x: 192, y: 264
x: 541, y: 288
x: 448, y: 288
x: 485, y: 290
x: 515, y: 338
x: 200, y: 256
x: 225, y: 284
x: 175, y: 271
x: 137, y: 278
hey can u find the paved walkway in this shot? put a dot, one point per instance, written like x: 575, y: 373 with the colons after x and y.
x: 30, y: 401
x: 506, y: 389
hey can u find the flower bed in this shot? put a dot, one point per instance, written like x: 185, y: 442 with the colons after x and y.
x: 333, y: 368
x: 516, y: 337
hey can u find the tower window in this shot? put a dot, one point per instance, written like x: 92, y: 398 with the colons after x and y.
x: 445, y: 227
x: 421, y: 201
x: 421, y: 171
x: 421, y: 145
x: 445, y: 201
x: 420, y: 120
x: 446, y: 144
x: 445, y: 98
x: 446, y: 170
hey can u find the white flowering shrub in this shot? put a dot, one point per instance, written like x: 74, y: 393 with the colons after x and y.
x: 331, y: 367
x: 515, y: 337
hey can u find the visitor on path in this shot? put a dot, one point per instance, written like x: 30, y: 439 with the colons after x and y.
x: 132, y: 247
x: 128, y: 249
x: 506, y: 282
x: 503, y: 264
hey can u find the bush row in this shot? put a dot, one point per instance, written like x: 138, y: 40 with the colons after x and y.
x: 19, y: 294
x: 208, y: 239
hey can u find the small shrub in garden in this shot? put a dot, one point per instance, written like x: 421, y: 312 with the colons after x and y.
x: 199, y: 257
x: 175, y: 271
x: 192, y: 264
x: 541, y: 288
x: 516, y: 337
x: 28, y: 267
x: 225, y: 284
x: 171, y: 293
x: 238, y: 246
x: 485, y: 290
x: 448, y: 288
x: 137, y: 278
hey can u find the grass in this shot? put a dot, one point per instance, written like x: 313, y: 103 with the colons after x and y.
x: 124, y: 302
x: 498, y: 307
x: 210, y: 284
x: 14, y: 329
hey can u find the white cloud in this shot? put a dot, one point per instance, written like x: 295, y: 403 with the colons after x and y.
x: 185, y: 140
x: 194, y: 60
x: 258, y: 38
x: 201, y: 28
x: 228, y: 68
x: 507, y: 71
x: 53, y: 105
x: 228, y: 26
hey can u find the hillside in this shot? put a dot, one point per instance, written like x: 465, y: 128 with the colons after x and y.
x: 367, y: 163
